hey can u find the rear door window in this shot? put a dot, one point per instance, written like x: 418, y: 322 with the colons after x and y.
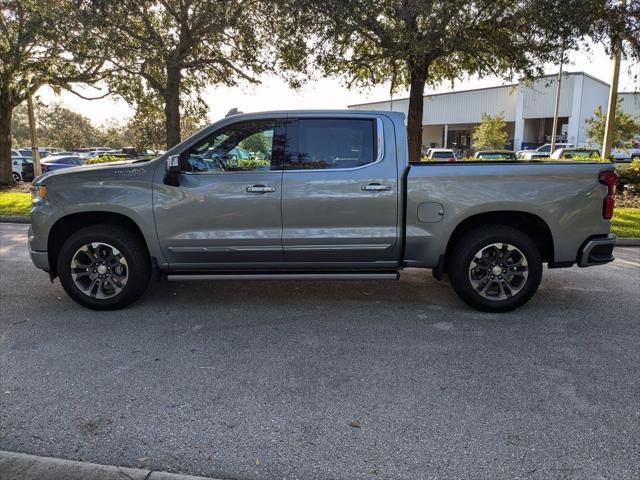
x: 330, y: 143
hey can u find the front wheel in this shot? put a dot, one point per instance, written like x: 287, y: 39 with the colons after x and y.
x: 495, y: 269
x: 16, y: 177
x: 104, y: 267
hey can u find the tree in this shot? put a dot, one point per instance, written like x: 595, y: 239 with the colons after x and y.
x: 626, y: 127
x: 40, y: 43
x: 490, y: 134
x: 147, y: 126
x: 172, y: 49
x: 56, y: 126
x: 413, y: 43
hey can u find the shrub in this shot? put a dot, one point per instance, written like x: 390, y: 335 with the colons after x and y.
x: 629, y: 177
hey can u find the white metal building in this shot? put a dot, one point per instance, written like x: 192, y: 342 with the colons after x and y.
x: 450, y: 118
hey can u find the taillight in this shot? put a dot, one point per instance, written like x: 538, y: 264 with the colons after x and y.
x: 609, y: 179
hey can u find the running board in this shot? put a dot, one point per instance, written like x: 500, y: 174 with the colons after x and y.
x: 287, y: 276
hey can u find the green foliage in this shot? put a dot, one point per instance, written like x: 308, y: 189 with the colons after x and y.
x: 258, y: 144
x: 253, y: 164
x: 15, y: 203
x: 490, y: 134
x: 41, y: 43
x: 413, y: 43
x: 168, y: 51
x: 58, y: 126
x: 626, y: 127
x: 103, y: 159
x: 626, y: 222
x: 148, y: 125
x: 630, y: 176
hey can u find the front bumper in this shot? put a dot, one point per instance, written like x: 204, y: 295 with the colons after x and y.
x: 40, y: 260
x: 596, y: 251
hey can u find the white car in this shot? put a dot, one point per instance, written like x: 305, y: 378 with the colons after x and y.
x: 530, y: 155
x: 626, y: 154
x: 580, y: 153
x: 16, y: 167
x: 546, y: 148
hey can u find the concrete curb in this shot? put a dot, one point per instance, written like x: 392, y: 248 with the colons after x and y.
x: 19, y: 466
x: 15, y: 219
x: 628, y: 242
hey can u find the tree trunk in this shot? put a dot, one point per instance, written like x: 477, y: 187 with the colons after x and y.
x: 418, y: 75
x: 172, y: 106
x: 6, y: 112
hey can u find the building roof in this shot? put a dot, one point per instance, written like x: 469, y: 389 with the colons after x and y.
x: 508, y: 85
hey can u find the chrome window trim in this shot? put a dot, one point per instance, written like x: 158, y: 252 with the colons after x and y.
x: 379, y: 157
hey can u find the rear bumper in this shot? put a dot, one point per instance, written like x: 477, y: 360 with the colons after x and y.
x: 596, y: 251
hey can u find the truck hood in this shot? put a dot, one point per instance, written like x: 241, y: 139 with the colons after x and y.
x: 124, y: 168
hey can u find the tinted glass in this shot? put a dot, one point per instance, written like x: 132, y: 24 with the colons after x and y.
x: 442, y: 155
x: 331, y: 143
x: 496, y: 156
x: 580, y: 154
x: 245, y: 146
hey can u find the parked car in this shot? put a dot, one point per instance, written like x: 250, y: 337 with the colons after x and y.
x: 495, y: 155
x: 578, y: 153
x: 441, y: 155
x: 339, y: 201
x: 530, y: 155
x: 22, y: 168
x: 43, y: 151
x: 56, y: 162
x: 16, y: 169
x: 546, y: 148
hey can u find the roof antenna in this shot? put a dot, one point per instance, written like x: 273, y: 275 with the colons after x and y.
x: 233, y: 111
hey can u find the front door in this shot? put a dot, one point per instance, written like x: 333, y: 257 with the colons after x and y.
x: 340, y: 192
x: 226, y: 212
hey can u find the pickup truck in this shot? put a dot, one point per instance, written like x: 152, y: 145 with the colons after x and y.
x: 305, y: 195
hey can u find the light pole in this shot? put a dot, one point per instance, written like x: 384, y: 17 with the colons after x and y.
x: 557, y: 106
x: 611, y: 106
x: 37, y: 169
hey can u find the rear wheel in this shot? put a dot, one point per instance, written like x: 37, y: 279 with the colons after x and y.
x: 16, y: 177
x: 495, y: 269
x: 104, y: 267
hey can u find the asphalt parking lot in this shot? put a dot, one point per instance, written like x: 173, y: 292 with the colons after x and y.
x: 262, y: 380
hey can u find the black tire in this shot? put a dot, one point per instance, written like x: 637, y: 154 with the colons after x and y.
x: 16, y: 177
x: 130, y: 246
x: 460, y: 265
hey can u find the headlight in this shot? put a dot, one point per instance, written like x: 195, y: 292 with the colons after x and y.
x: 38, y: 193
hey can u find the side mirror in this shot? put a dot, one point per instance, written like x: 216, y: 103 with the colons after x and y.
x: 172, y: 175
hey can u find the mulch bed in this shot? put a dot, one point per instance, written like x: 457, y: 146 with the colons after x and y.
x: 22, y: 187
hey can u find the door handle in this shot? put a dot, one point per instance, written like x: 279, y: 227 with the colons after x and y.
x: 261, y: 189
x: 375, y: 187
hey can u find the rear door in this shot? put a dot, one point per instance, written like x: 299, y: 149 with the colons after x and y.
x: 340, y: 191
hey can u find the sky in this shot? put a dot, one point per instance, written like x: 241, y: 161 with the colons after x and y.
x: 274, y: 94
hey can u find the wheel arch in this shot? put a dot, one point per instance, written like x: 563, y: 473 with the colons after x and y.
x: 528, y: 223
x: 66, y: 226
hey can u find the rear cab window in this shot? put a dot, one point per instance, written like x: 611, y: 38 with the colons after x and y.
x: 330, y: 143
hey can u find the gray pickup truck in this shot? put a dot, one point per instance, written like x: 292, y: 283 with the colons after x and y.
x: 317, y: 195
